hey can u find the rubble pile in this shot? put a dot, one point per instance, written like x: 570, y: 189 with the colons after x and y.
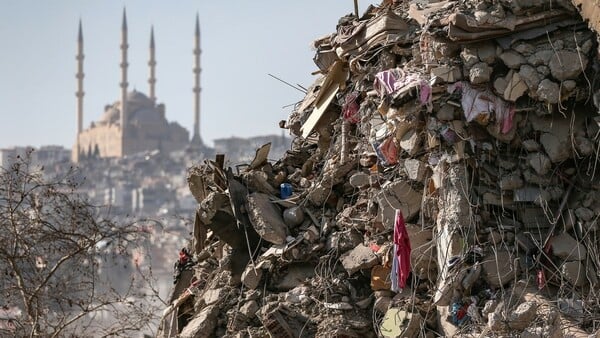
x: 444, y: 182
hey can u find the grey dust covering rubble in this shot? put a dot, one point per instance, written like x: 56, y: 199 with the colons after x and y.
x: 443, y: 181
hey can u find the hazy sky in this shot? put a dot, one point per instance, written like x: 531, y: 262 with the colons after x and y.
x: 242, y: 41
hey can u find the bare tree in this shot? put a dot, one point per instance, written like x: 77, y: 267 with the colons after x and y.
x: 60, y: 259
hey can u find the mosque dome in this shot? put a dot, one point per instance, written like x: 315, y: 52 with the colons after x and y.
x: 138, y: 98
x: 145, y: 116
x: 140, y: 108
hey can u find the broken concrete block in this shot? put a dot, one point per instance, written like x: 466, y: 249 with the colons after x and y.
x: 531, y: 145
x: 489, y: 307
x: 532, y: 177
x: 522, y: 316
x: 411, y: 142
x: 548, y: 91
x: 297, y: 295
x: 491, y: 198
x: 251, y: 277
x: 423, y: 253
x: 512, y: 59
x: 249, y: 309
x: 524, y: 48
x: 320, y: 191
x: 533, y: 218
x: 397, y: 195
x: 558, y: 149
x: 202, y: 325
x: 543, y: 70
x: 359, y: 258
x: 500, y: 85
x: 541, y: 57
x: 415, y: 169
x: 213, y: 296
x: 515, y: 88
x: 480, y: 73
x: 540, y: 163
x: 527, y: 194
x: 511, y: 182
x: 296, y: 274
x: 359, y: 180
x: 469, y: 57
x: 567, y: 248
x: 531, y: 77
x: 446, y: 74
x: 574, y: 272
x: 496, y: 322
x: 566, y: 64
x: 453, y: 216
x: 344, y: 240
x: 486, y: 51
x: 499, y: 268
x: 258, y: 181
x: 445, y: 113
x: 584, y: 146
x: 567, y: 87
x: 584, y: 214
x: 266, y: 218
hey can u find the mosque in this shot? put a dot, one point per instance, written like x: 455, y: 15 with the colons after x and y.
x: 135, y: 123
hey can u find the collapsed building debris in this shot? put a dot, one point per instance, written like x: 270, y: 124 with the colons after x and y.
x: 476, y: 123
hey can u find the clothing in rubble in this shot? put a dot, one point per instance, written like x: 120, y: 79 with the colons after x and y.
x: 401, y: 256
x: 184, y: 262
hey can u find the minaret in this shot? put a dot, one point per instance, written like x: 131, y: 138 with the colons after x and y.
x: 124, y: 65
x: 80, y: 93
x: 196, y: 137
x: 152, y: 64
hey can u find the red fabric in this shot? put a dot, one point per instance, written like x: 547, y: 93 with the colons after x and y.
x: 374, y: 247
x: 541, y: 279
x: 462, y: 312
x: 389, y: 151
x: 183, y: 257
x: 351, y: 107
x: 402, y: 248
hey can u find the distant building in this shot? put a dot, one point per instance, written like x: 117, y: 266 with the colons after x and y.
x: 9, y: 155
x: 44, y: 156
x: 49, y: 155
x: 135, y: 123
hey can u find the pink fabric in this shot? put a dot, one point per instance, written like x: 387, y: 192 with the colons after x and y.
x: 402, y: 248
x: 385, y: 82
x: 395, y: 80
x: 477, y: 102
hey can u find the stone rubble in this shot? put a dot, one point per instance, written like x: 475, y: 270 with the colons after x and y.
x: 478, y: 121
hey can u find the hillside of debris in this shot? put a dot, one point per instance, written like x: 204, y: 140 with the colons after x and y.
x: 444, y: 180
